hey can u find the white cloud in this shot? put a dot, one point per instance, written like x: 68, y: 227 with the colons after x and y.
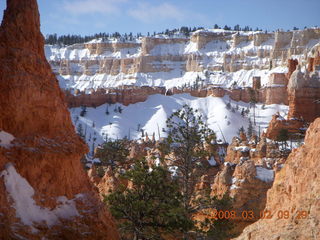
x: 148, y: 13
x: 79, y: 7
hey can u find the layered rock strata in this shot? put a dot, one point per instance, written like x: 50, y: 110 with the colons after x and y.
x: 117, y: 63
x: 275, y: 93
x: 304, y: 95
x: 44, y: 192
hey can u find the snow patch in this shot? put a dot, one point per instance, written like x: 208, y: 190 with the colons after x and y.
x: 152, y: 114
x: 21, y: 193
x: 6, y: 139
x: 242, y: 148
x: 264, y: 174
x: 212, y: 161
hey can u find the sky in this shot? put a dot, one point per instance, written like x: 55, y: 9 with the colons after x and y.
x: 87, y: 17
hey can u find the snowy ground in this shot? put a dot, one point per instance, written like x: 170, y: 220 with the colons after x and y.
x: 6, y: 139
x: 21, y: 193
x: 151, y: 116
x: 174, y: 78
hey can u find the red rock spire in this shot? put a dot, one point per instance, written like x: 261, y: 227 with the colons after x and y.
x: 31, y: 100
x: 21, y: 25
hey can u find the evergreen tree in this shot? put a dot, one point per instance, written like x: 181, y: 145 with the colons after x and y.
x: 243, y: 112
x: 152, y: 206
x: 113, y: 153
x: 187, y: 134
x: 83, y: 111
x: 283, y: 136
x: 80, y: 130
x: 253, y: 101
x: 250, y: 130
x: 240, y: 130
x: 237, y: 28
x: 228, y: 106
x: 216, y: 228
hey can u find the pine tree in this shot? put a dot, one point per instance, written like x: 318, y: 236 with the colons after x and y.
x: 80, y: 130
x: 187, y: 134
x: 113, y: 153
x: 152, y: 206
x: 250, y: 130
x: 283, y: 136
x: 216, y: 228
x: 83, y: 111
x: 240, y: 130
x: 243, y: 112
x: 228, y: 106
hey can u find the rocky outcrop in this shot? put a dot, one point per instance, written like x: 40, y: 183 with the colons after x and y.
x: 292, y: 66
x: 125, y: 96
x: 44, y: 192
x: 149, y: 43
x: 295, y: 192
x: 274, y: 94
x: 277, y: 123
x: 247, y: 174
x: 106, y: 64
x: 99, y: 48
x: 201, y: 38
x: 244, y: 184
x: 304, y: 95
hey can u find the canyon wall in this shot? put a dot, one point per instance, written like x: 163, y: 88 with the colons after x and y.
x: 295, y: 193
x: 44, y: 191
x: 172, y: 61
x: 130, y: 95
x: 304, y: 95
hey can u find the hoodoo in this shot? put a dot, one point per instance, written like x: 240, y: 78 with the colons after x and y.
x: 292, y: 208
x: 44, y: 192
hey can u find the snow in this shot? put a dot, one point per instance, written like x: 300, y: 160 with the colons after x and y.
x: 152, y: 114
x: 168, y: 49
x: 157, y: 162
x: 242, y: 148
x: 173, y: 170
x: 229, y: 164
x: 21, y: 193
x: 6, y: 139
x: 233, y: 186
x: 79, y: 52
x: 211, y: 55
x: 264, y: 174
x: 174, y: 77
x: 212, y: 161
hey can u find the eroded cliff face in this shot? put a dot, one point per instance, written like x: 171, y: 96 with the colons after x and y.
x: 296, y: 190
x: 169, y: 62
x: 304, y: 95
x: 44, y: 192
x: 246, y: 175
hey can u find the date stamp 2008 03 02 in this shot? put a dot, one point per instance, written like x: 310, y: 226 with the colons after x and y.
x: 251, y: 215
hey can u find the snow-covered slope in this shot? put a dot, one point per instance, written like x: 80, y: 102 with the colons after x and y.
x: 151, y: 116
x: 218, y: 57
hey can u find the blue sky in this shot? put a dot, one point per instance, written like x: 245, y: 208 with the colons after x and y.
x: 124, y: 16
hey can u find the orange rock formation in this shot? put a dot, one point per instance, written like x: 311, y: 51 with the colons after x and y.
x: 46, y: 151
x: 295, y: 192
